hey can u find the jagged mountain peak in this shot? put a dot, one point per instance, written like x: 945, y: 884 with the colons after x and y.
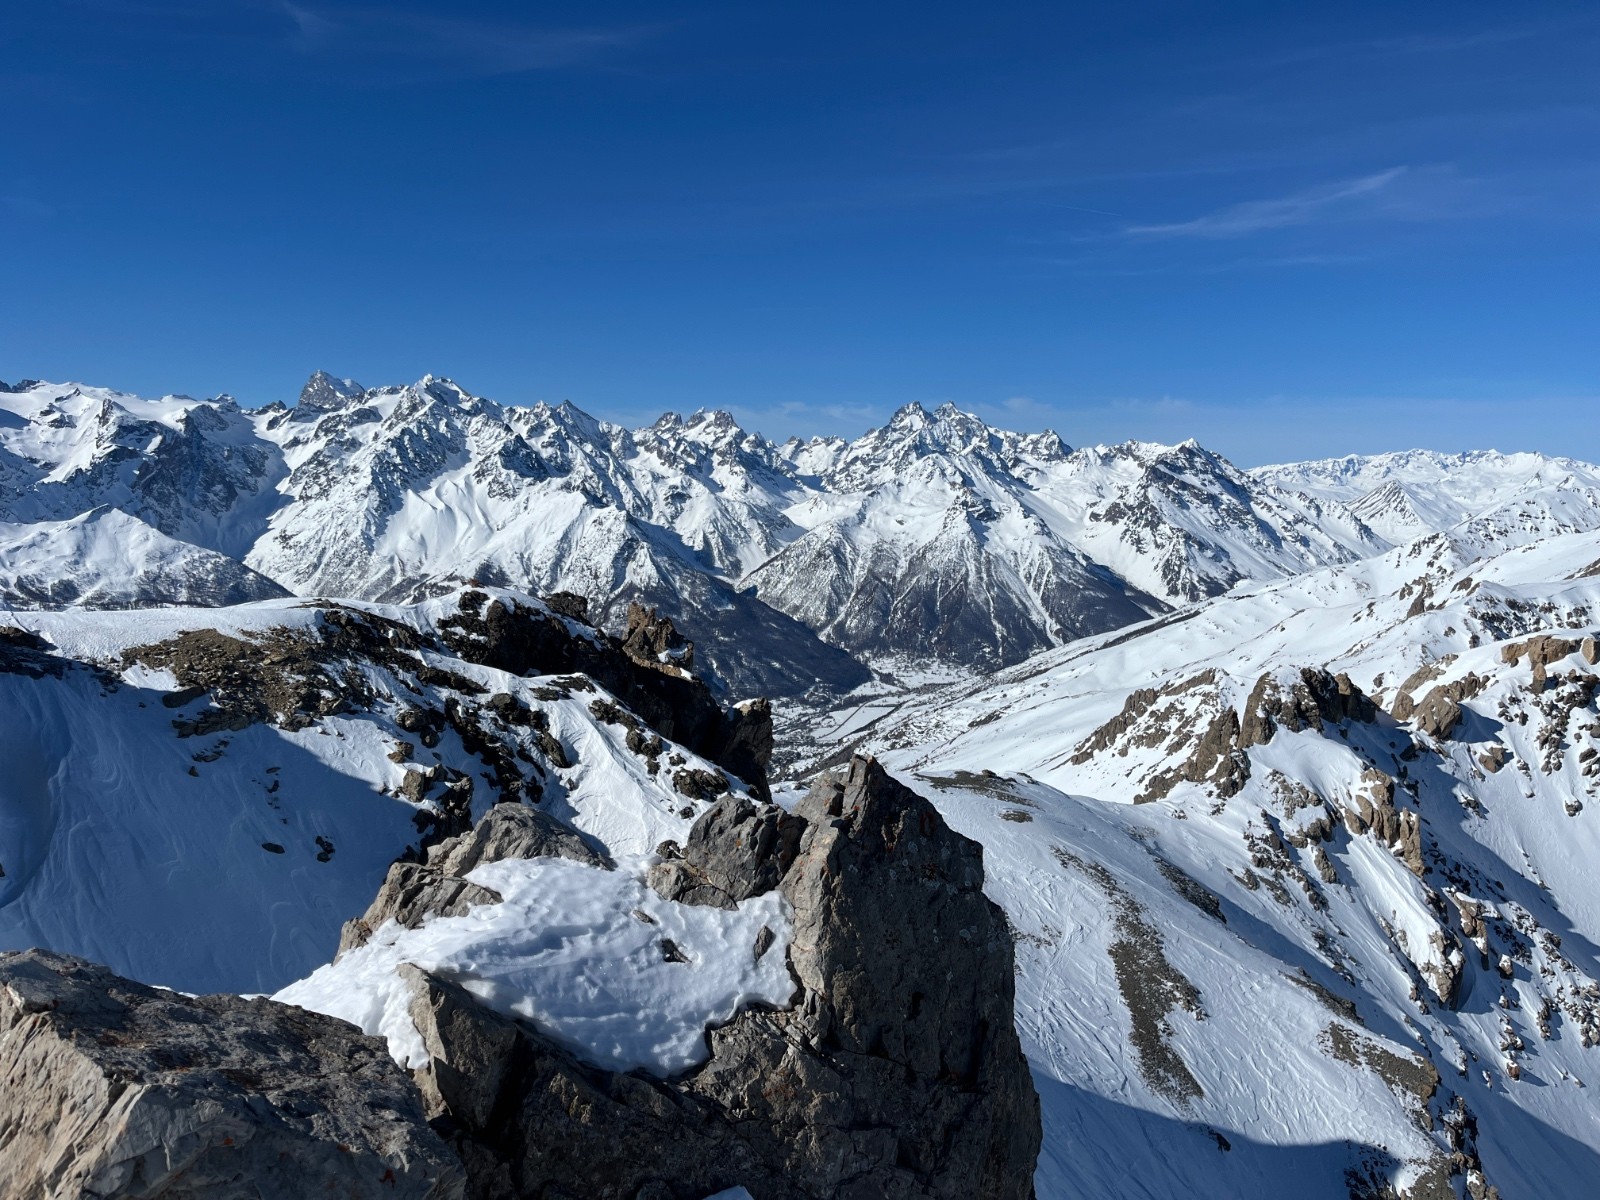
x: 714, y: 428
x: 383, y: 492
x: 912, y: 434
x: 324, y: 392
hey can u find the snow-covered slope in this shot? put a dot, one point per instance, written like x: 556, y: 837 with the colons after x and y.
x: 194, y: 469
x: 1409, y: 493
x: 1303, y: 878
x: 107, y: 559
x: 200, y: 798
x: 997, y: 544
x: 526, y: 957
x: 399, y: 493
x: 1184, y: 523
x: 922, y: 536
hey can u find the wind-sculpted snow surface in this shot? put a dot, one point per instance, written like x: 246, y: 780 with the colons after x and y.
x: 576, y: 949
x: 1302, y: 878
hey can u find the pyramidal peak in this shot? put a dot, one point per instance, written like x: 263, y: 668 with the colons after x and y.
x: 323, y: 392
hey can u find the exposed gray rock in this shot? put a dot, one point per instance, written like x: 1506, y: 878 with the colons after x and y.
x: 1319, y: 698
x: 111, y: 1088
x: 569, y: 604
x: 413, y: 891
x: 513, y: 831
x: 529, y: 1119
x: 897, y: 1072
x: 734, y: 851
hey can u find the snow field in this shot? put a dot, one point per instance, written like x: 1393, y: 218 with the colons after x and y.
x: 580, y: 951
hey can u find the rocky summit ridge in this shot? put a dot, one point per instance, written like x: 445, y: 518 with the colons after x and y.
x: 893, y: 1071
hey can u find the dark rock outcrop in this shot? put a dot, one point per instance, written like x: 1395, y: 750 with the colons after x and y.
x: 1217, y: 756
x: 526, y: 641
x: 110, y: 1088
x: 1318, y: 698
x: 25, y: 653
x: 734, y: 851
x: 569, y: 604
x: 653, y: 641
x: 897, y: 1072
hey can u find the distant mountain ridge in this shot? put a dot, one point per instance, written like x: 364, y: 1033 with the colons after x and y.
x: 935, y: 539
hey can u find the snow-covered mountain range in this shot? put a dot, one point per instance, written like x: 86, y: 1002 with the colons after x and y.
x: 934, y: 541
x: 1287, y: 779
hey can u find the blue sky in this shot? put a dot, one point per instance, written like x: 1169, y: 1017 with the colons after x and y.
x: 1285, y: 229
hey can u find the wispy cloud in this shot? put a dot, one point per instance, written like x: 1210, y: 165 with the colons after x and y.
x: 312, y: 30
x: 1102, y: 268
x: 1331, y: 201
x: 455, y: 43
x: 1432, y: 43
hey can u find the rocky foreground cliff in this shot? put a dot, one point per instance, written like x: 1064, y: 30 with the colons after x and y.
x: 893, y: 1069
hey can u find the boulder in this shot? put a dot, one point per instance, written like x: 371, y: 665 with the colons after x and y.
x: 736, y: 850
x: 110, y: 1088
x: 1438, y: 714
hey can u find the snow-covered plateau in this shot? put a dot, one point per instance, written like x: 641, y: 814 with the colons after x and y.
x: 1287, y: 780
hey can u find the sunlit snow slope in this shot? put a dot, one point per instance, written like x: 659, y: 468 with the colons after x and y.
x: 1304, y: 877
